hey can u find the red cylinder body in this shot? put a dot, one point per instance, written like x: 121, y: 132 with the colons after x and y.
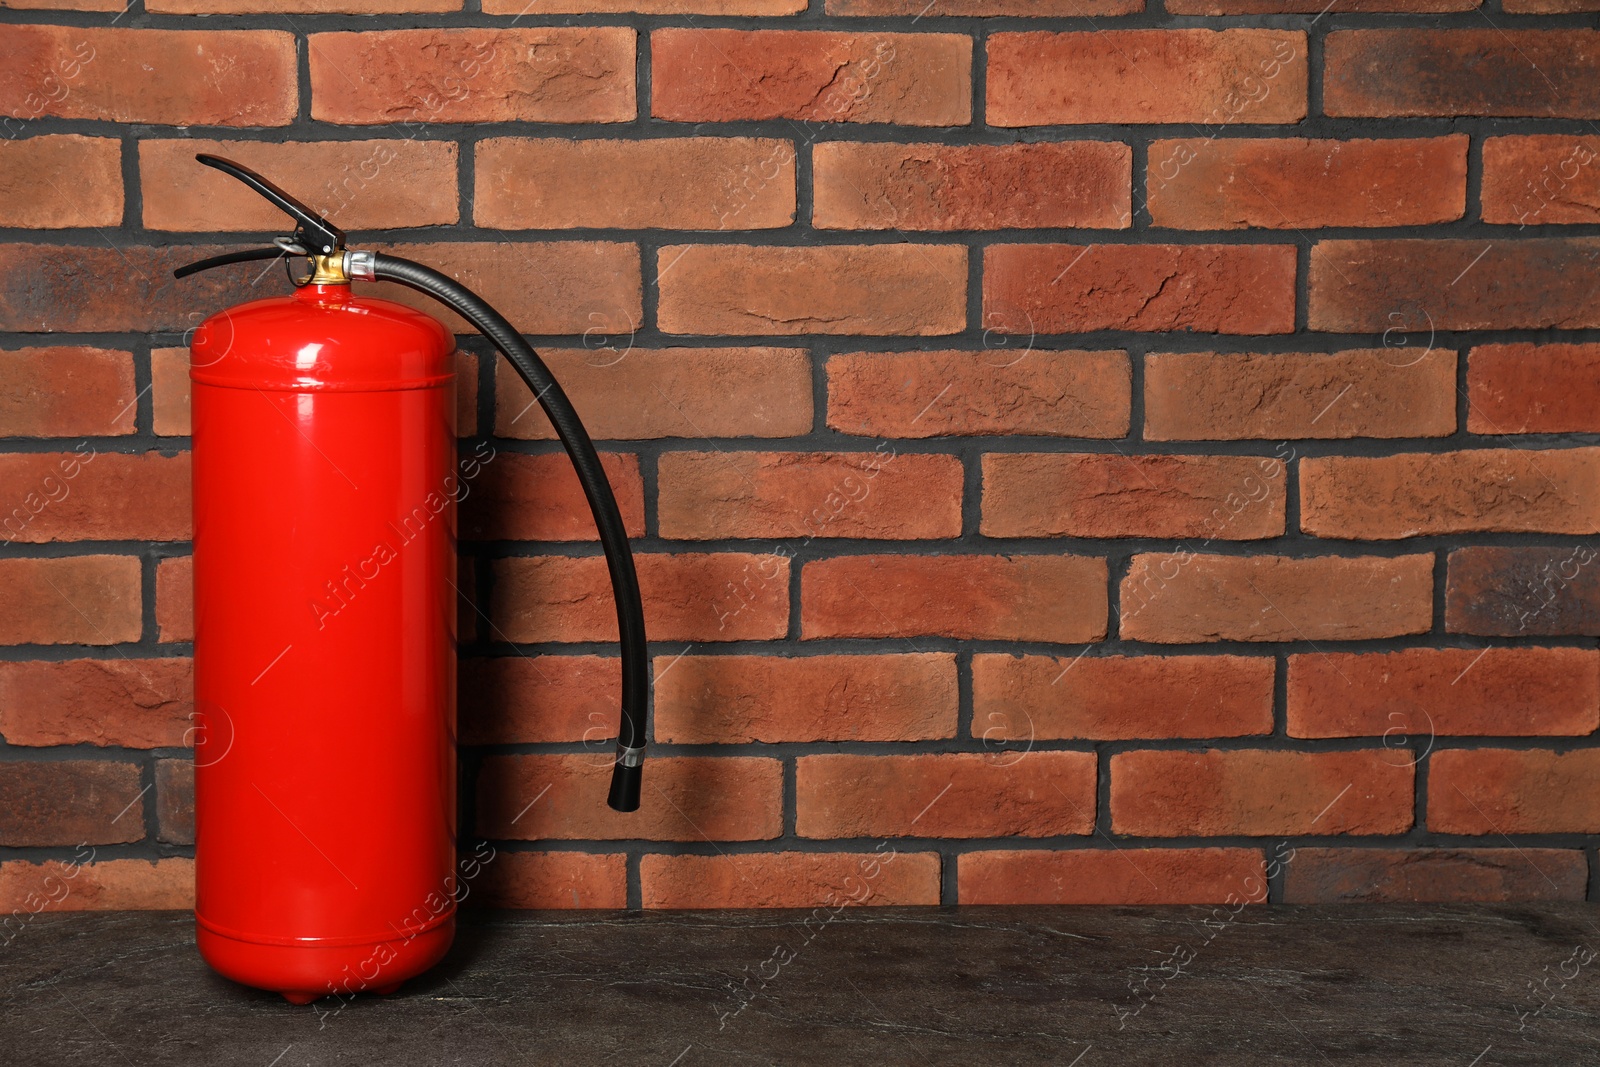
x: 324, y: 569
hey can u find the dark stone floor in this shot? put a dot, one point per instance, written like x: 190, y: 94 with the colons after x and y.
x: 1070, y: 987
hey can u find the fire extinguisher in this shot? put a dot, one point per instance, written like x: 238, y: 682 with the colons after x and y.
x: 325, y: 485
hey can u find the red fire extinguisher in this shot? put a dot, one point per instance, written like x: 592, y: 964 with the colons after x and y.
x: 325, y: 485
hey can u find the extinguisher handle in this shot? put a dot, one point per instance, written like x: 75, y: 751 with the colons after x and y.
x: 311, y: 231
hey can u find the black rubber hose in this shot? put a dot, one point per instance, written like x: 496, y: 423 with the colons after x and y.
x: 625, y: 775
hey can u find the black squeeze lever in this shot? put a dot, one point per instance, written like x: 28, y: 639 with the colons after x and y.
x: 313, y: 234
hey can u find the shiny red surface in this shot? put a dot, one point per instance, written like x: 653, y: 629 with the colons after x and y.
x: 324, y: 570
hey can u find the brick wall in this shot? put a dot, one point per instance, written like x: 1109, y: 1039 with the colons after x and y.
x: 1086, y: 452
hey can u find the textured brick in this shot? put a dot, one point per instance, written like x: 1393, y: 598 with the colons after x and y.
x: 169, y: 392
x: 1313, y: 7
x: 134, y: 703
x: 67, y: 802
x: 724, y: 596
x: 161, y: 77
x: 527, y: 74
x: 876, y: 494
x: 538, y: 498
x: 106, y: 885
x: 1033, y: 288
x: 672, y: 183
x: 66, y: 392
x: 1434, y: 875
x: 672, y: 392
x: 1377, y: 392
x: 1112, y: 876
x: 1133, y: 76
x: 359, y: 185
x: 1113, y: 698
x: 95, y: 496
x: 1001, y: 598
x: 513, y: 700
x: 1501, y: 791
x: 728, y: 700
x: 1542, y: 179
x: 1257, y: 793
x: 307, y: 7
x: 1293, y: 183
x: 72, y: 600
x: 1529, y: 388
x: 175, y: 801
x: 1547, y: 7
x: 971, y: 187
x: 725, y: 75
x: 650, y: 7
x: 918, y: 290
x: 1502, y: 490
x: 1182, y: 597
x: 686, y: 798
x: 1003, y: 390
x: 1523, y: 592
x: 175, y: 599
x: 1360, y: 286
x: 550, y: 880
x: 1108, y: 495
x: 1431, y: 692
x: 1044, y: 794
x: 51, y: 183
x: 923, y: 9
x: 1480, y: 72
x: 790, y: 879
x: 576, y: 287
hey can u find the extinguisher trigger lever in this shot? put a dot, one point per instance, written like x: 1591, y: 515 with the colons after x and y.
x: 311, y: 231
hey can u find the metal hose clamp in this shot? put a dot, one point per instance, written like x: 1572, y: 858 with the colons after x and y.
x: 361, y: 266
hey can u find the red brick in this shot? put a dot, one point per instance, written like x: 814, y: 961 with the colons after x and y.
x: 723, y: 596
x: 519, y: 497
x: 726, y: 75
x: 133, y: 703
x: 922, y: 9
x: 1547, y: 7
x: 1183, y: 597
x: 1001, y: 598
x: 1257, y: 793
x: 106, y: 885
x: 1434, y: 875
x: 1113, y: 698
x: 1079, y: 289
x: 513, y: 700
x: 672, y: 392
x: 1135, y: 76
x: 686, y: 798
x: 1360, y: 286
x: 1500, y: 490
x: 307, y: 7
x: 1375, y: 392
x: 790, y: 879
x: 671, y: 183
x: 551, y: 880
x: 1522, y: 592
x: 1294, y: 183
x: 1313, y: 7
x: 175, y: 599
x: 67, y: 802
x: 356, y: 184
x: 710, y: 496
x: 66, y: 392
x: 649, y: 7
x: 576, y: 287
x: 49, y: 183
x: 1529, y: 388
x: 69, y: 5
x: 918, y: 290
x: 1112, y: 876
x: 998, y: 391
x: 1501, y: 791
x: 175, y: 801
x: 169, y: 392
x: 971, y: 187
x: 1478, y: 72
x: 958, y: 794
x: 731, y: 700
x: 527, y: 74
x: 86, y: 495
x: 1430, y: 692
x: 1111, y: 495
x: 1548, y: 178
x: 71, y: 600
x: 160, y: 77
